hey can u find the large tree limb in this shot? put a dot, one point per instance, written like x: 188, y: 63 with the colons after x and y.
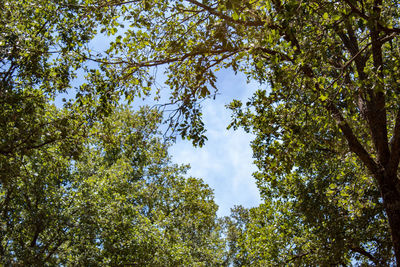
x: 394, y: 147
x: 376, y: 117
x: 350, y: 42
x: 375, y: 105
x: 353, y: 142
x: 364, y: 253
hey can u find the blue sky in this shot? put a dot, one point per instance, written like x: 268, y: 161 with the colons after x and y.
x: 225, y: 162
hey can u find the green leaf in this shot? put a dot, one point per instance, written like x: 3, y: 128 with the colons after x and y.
x: 235, y: 15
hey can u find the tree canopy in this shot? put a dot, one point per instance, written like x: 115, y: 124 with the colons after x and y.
x: 120, y: 202
x: 87, y: 182
x: 326, y: 117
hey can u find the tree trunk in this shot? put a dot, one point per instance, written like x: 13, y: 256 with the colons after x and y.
x: 389, y: 186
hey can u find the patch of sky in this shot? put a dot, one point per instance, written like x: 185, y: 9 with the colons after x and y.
x: 225, y: 161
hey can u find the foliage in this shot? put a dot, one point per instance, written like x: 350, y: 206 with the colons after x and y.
x: 86, y: 183
x: 317, y: 220
x: 44, y: 48
x: 324, y: 127
x: 328, y: 172
x: 120, y: 202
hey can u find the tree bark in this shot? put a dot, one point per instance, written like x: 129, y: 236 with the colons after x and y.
x: 389, y: 186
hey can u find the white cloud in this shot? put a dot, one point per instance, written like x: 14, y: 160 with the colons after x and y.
x: 225, y: 162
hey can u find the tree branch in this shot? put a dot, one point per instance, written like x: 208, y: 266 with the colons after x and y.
x: 355, y: 10
x: 350, y: 42
x: 226, y: 17
x: 301, y: 255
x: 353, y: 142
x: 376, y: 111
x: 354, y: 145
x: 395, y: 147
x: 374, y: 107
x: 364, y: 253
x: 162, y: 61
x: 273, y: 52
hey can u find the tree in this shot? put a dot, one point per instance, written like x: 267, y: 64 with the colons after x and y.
x: 43, y: 48
x: 234, y: 229
x: 121, y: 202
x: 84, y: 182
x: 331, y: 66
x: 322, y: 218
